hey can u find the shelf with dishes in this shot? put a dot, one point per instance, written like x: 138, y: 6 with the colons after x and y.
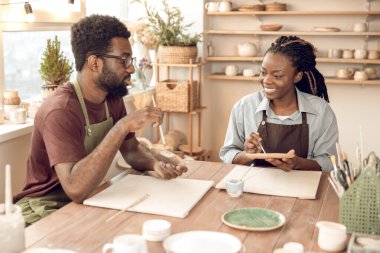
x: 329, y: 80
x: 290, y: 13
x: 260, y: 58
x: 279, y: 33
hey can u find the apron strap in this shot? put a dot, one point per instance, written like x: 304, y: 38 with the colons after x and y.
x: 83, y: 106
x: 304, y: 120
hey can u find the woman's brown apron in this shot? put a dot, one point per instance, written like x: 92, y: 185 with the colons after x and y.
x: 277, y: 138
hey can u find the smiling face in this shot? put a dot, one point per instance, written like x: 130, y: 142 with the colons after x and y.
x: 115, y: 76
x: 278, y: 76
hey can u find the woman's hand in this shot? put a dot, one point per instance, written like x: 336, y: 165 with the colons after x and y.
x: 252, y: 144
x: 285, y: 164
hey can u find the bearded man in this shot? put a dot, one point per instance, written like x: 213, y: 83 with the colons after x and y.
x: 81, y: 126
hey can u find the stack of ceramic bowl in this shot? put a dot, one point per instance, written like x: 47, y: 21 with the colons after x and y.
x: 11, y: 101
x: 275, y: 6
x: 251, y: 7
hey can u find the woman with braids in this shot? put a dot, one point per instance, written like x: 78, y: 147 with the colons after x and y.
x: 291, y: 113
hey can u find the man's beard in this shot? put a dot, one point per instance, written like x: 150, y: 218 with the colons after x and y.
x: 109, y: 82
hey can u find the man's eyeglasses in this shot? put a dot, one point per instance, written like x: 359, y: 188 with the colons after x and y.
x: 128, y: 61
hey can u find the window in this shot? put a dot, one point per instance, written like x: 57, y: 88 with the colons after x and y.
x: 22, y: 57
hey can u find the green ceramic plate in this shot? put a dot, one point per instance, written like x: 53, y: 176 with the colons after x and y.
x: 254, y: 219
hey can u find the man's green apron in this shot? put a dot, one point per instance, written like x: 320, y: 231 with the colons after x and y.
x: 35, y: 208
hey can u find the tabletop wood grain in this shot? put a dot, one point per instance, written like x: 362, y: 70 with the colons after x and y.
x: 84, y: 229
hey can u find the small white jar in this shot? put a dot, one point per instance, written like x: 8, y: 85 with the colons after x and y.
x: 156, y: 230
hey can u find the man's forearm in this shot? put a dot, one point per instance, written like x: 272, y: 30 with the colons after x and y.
x: 82, y: 178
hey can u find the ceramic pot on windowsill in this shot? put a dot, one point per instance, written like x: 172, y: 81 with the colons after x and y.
x: 47, y: 89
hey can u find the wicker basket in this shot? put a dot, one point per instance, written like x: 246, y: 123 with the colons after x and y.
x: 173, y: 54
x: 360, y: 205
x: 174, y: 96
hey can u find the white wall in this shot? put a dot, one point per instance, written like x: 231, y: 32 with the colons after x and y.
x: 14, y: 152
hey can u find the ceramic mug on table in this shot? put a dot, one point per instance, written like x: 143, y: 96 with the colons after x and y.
x: 235, y: 187
x: 128, y: 243
x: 225, y: 6
x: 212, y: 6
x: 332, y: 236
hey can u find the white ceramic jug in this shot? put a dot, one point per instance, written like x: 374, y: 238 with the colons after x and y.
x: 247, y: 49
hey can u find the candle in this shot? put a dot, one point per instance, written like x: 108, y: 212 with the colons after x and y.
x: 8, y: 190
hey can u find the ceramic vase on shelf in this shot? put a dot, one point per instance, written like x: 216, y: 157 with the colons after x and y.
x: 152, y: 56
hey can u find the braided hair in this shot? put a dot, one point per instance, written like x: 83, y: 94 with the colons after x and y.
x: 302, y: 54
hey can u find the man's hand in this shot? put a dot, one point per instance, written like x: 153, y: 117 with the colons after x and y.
x: 285, y: 164
x: 169, y: 170
x: 168, y: 164
x: 139, y: 119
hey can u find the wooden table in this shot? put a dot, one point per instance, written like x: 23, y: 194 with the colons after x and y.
x: 83, y: 228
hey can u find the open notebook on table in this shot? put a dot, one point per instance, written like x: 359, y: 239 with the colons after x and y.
x: 175, y: 197
x: 273, y: 181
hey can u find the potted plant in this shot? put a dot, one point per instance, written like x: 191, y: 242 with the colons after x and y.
x: 174, y: 44
x: 55, y: 68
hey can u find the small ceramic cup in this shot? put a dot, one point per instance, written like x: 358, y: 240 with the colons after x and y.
x: 235, y: 187
x: 248, y: 72
x: 225, y: 6
x: 212, y: 6
x: 130, y: 243
x: 332, y: 236
x: 335, y: 53
x: 360, y: 27
x: 156, y: 230
x: 360, y: 75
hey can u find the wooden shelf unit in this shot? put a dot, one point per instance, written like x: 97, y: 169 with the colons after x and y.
x: 260, y: 59
x: 329, y: 80
x: 279, y: 33
x: 259, y: 16
x: 190, y: 114
x: 290, y: 13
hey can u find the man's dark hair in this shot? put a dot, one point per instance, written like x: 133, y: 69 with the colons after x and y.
x: 93, y: 35
x: 302, y: 54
